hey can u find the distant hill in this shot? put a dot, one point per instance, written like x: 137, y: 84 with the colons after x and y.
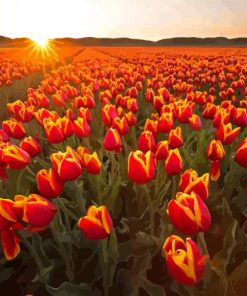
x: 91, y: 41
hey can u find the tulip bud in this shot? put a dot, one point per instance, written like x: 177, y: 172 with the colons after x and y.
x: 112, y: 140
x: 97, y: 224
x: 188, y: 213
x: 141, y: 167
x: 49, y: 184
x: 184, y: 260
x: 173, y: 163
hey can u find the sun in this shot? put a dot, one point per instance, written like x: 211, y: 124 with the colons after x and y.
x: 41, y: 41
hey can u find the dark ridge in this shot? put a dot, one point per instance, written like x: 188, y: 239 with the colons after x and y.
x: 92, y: 41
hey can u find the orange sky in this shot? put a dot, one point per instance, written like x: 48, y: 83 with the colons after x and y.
x: 146, y: 19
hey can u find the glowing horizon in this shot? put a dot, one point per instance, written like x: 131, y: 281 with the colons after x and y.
x: 142, y: 19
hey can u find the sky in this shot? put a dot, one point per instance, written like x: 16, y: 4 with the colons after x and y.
x: 144, y: 19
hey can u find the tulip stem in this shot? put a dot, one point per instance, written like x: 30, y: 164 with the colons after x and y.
x: 150, y: 206
x: 174, y: 186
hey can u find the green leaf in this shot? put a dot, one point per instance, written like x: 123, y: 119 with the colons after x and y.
x: 69, y: 289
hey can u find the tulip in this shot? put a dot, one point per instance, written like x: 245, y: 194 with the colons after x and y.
x: 97, y: 224
x: 131, y: 119
x: 14, y: 128
x: 158, y: 102
x: 3, y: 136
x: 42, y: 114
x: 91, y: 163
x: 175, y: 139
x: 49, y: 184
x: 146, y: 142
x: 161, y: 150
x: 66, y: 126
x: 141, y: 167
x: 121, y: 125
x: 81, y: 127
x: 241, y: 153
x: 112, y: 140
x: 31, y: 146
x: 188, y: 213
x: 109, y: 112
x: 7, y: 214
x: 85, y: 101
x: 190, y: 181
x: 184, y: 260
x: 226, y: 134
x: 195, y: 122
x: 165, y: 123
x: 185, y: 112
x: 10, y: 243
x: 173, y: 163
x: 215, y: 152
x: 85, y: 113
x: 240, y: 117
x: 222, y: 116
x: 34, y: 210
x: 67, y: 164
x: 132, y: 105
x: 15, y: 157
x: 209, y: 111
x: 53, y: 131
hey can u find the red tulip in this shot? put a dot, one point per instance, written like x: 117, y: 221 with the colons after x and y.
x: 97, y: 224
x: 141, y: 167
x: 175, y: 139
x: 184, y: 260
x: 112, y: 140
x: 146, y: 142
x: 34, y: 210
x: 173, y: 163
x: 67, y: 164
x: 31, y: 146
x: 241, y: 153
x: 188, y: 213
x: 49, y: 184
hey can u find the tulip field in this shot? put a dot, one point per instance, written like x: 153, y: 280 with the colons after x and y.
x: 123, y: 171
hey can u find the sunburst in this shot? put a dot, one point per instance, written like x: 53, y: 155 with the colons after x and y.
x: 42, y: 49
